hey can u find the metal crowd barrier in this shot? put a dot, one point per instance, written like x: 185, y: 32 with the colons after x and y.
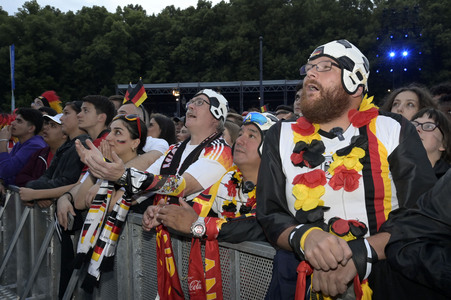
x: 29, y: 250
x: 29, y: 274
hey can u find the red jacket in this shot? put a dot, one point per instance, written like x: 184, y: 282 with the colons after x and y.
x: 34, y: 168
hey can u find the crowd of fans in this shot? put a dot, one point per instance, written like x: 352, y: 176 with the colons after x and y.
x: 203, y: 175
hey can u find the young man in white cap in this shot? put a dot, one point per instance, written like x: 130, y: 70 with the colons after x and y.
x: 65, y: 168
x: 329, y: 180
x: 39, y: 161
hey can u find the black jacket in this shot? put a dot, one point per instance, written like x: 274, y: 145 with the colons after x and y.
x: 64, y: 169
x: 419, y: 250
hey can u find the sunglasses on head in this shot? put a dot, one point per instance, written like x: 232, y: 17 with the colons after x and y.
x: 131, y: 117
x: 254, y: 117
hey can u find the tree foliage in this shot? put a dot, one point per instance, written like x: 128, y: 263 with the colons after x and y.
x: 91, y: 50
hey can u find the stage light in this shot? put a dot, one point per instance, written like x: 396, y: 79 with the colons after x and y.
x: 391, y: 70
x: 392, y: 54
x: 405, y: 53
x: 405, y: 69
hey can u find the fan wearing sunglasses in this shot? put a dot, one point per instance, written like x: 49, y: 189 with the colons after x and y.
x: 433, y: 126
x: 226, y: 210
x: 126, y: 140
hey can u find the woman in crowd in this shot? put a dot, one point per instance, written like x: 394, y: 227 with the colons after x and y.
x: 231, y: 131
x: 434, y: 129
x: 408, y: 100
x: 127, y: 139
x: 48, y: 99
x: 183, y: 134
x: 162, y: 127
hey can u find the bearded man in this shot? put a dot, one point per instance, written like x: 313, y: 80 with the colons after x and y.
x: 336, y: 173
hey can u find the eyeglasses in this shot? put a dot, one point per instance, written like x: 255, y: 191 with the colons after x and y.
x: 131, y: 118
x: 196, y: 102
x: 322, y: 66
x: 426, y: 126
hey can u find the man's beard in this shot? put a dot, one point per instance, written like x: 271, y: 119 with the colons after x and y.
x: 330, y: 105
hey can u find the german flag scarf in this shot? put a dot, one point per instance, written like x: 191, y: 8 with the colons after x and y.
x: 208, y: 284
x: 169, y: 287
x: 102, y: 258
x: 94, y: 222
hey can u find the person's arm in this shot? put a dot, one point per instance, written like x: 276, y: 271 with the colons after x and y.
x: 65, y: 205
x: 241, y: 229
x: 192, y: 185
x: 80, y: 191
x: 272, y: 209
x: 143, y: 161
x: 336, y: 281
x: 27, y: 194
x: 5, y: 136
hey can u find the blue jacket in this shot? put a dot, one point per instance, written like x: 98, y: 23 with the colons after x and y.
x: 11, y: 163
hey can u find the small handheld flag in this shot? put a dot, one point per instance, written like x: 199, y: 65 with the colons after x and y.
x: 136, y: 94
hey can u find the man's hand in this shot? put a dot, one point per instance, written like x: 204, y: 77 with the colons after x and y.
x: 179, y: 218
x: 325, y: 251
x: 334, y: 282
x: 85, y: 153
x: 5, y: 133
x: 44, y: 203
x: 26, y: 194
x: 98, y: 167
x: 149, y: 216
x: 63, y: 207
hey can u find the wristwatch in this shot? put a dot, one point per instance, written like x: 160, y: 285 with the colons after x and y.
x: 198, y: 228
x: 122, y: 181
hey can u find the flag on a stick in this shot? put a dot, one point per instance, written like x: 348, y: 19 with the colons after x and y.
x: 136, y: 94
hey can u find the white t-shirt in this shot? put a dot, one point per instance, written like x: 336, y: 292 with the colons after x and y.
x: 156, y: 144
x: 213, y: 162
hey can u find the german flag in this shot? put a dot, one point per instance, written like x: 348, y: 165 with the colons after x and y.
x: 136, y: 94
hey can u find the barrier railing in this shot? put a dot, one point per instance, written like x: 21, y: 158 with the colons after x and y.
x: 245, y: 268
x: 29, y: 251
